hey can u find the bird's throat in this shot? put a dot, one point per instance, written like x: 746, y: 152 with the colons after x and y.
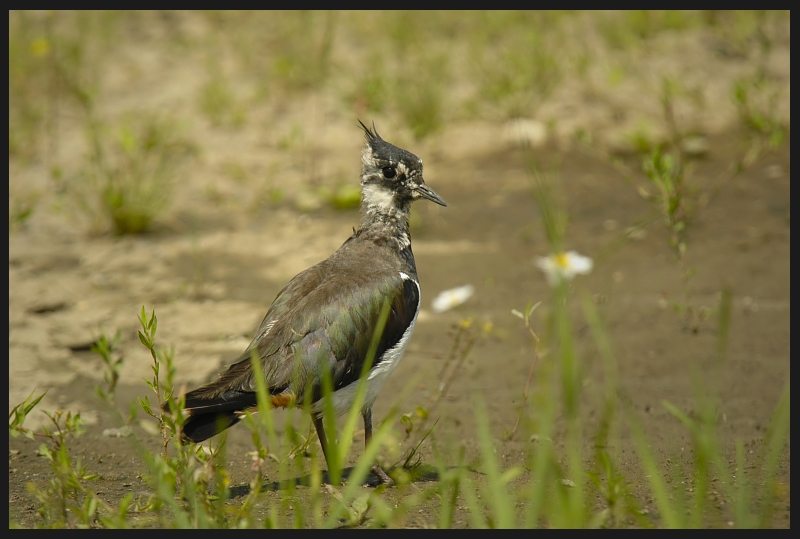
x: 381, y: 216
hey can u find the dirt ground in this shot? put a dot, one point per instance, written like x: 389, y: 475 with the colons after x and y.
x: 212, y: 265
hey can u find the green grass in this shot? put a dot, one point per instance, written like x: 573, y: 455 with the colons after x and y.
x: 517, y: 66
x: 554, y: 487
x: 627, y: 29
x: 217, y: 100
x: 130, y: 172
x: 55, y: 62
x: 421, y: 70
x: 190, y: 487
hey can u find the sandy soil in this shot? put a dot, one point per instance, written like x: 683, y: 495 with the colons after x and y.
x: 212, y: 265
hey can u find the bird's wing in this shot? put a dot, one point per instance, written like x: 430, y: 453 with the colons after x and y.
x: 296, y: 342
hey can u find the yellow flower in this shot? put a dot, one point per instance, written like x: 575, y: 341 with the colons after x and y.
x: 40, y: 47
x: 564, y: 266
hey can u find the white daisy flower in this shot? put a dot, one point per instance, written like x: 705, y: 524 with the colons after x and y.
x: 564, y: 265
x: 453, y: 297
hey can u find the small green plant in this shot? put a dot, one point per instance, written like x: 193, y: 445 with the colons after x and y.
x: 665, y: 173
x: 194, y: 475
x: 615, y: 493
x: 501, y: 498
x: 371, y: 91
x: 710, y: 464
x: 131, y: 171
x: 759, y: 118
x: 17, y: 415
x: 526, y: 318
x: 55, y: 61
x: 514, y: 61
x: 20, y: 209
x: 66, y: 500
x: 419, y: 97
x: 217, y: 100
x: 107, y: 349
x: 626, y: 29
x: 465, y: 334
x: 756, y: 99
x: 303, y: 62
x: 169, y: 425
x: 346, y: 196
x: 674, y: 198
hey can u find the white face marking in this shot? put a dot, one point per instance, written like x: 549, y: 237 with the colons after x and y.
x: 404, y: 276
x: 375, y: 195
x: 402, y: 169
x: 343, y: 399
x: 366, y: 157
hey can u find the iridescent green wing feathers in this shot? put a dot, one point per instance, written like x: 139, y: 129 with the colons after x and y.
x: 296, y: 343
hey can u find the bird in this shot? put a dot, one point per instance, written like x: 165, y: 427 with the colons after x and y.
x: 322, y: 322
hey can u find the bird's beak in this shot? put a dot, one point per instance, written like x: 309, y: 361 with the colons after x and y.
x: 428, y: 193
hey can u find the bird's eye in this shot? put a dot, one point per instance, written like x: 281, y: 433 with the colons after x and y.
x: 389, y: 172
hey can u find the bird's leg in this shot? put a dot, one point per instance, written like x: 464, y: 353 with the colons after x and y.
x: 376, y: 469
x: 323, y: 440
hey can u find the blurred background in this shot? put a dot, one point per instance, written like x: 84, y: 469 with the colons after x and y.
x: 263, y: 103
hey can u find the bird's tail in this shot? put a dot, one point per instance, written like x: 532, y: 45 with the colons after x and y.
x: 209, y: 413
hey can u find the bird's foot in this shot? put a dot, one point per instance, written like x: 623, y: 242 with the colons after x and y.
x: 382, y: 476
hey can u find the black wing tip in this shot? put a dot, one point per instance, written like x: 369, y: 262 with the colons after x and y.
x: 199, y: 428
x: 207, y: 417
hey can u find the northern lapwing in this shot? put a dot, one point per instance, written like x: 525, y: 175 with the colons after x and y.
x: 322, y: 322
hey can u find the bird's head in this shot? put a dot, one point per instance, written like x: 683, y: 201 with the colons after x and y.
x: 391, y: 177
